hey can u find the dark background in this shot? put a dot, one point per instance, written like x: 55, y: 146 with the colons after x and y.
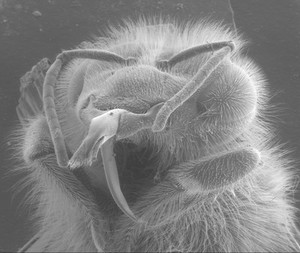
x: 271, y: 26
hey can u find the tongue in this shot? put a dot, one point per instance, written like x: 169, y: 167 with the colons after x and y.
x: 103, y: 130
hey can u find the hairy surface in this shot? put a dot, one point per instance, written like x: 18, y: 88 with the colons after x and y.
x: 213, y: 180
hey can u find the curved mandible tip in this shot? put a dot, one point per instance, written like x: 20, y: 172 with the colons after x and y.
x: 112, y: 178
x: 49, y: 96
x: 198, y: 82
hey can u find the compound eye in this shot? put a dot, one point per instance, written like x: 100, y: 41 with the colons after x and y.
x: 197, y: 84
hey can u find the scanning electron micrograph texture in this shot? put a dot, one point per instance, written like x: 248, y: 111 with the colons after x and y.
x: 154, y: 138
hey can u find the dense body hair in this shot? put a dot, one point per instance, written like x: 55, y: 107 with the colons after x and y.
x: 247, y: 207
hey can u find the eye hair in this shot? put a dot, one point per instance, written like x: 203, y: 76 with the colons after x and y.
x: 197, y: 83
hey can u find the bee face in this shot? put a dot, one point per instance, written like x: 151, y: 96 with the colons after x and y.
x: 152, y: 129
x: 145, y: 97
x: 138, y: 88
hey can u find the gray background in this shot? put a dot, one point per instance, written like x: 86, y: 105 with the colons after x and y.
x: 271, y: 26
